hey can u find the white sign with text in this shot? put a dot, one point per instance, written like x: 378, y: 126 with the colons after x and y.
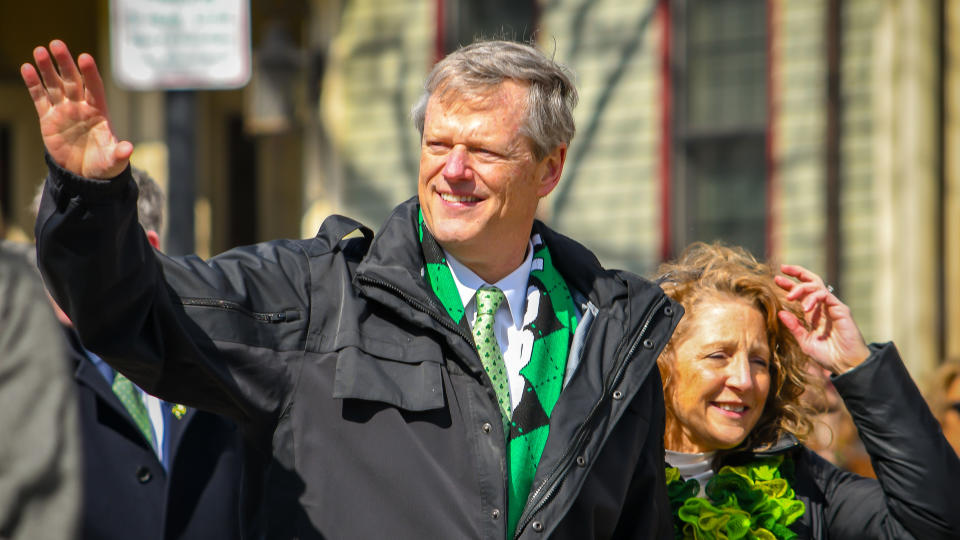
x: 180, y: 44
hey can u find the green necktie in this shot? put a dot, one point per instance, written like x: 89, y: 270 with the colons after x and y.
x: 488, y: 300
x: 130, y: 397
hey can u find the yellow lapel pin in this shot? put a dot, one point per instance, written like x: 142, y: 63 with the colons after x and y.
x: 178, y: 410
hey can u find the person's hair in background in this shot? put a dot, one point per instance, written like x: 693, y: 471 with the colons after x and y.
x: 484, y: 65
x: 943, y: 395
x: 834, y: 437
x: 150, y: 202
x: 704, y: 272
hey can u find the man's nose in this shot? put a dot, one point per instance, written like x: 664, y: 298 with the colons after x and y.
x: 456, y: 167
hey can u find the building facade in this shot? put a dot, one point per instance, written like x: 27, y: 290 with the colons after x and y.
x: 818, y: 132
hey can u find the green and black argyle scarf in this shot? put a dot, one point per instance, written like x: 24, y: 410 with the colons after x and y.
x: 553, y: 317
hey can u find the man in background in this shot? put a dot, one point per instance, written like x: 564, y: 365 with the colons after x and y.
x: 152, y: 469
x: 39, y: 435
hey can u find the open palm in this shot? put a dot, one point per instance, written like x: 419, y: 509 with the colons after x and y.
x: 73, y: 116
x: 828, y: 333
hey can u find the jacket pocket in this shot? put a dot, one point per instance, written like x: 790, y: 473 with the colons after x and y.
x: 405, y: 375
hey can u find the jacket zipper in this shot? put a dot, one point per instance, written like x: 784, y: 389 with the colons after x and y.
x: 446, y: 322
x: 548, y: 488
x: 556, y: 477
x: 268, y: 317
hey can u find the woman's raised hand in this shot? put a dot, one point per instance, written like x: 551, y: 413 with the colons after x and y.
x: 72, y: 109
x: 828, y: 333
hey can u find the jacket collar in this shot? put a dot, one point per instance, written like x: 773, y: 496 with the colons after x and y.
x: 87, y: 373
x: 394, y: 256
x: 390, y: 260
x: 787, y: 442
x: 580, y: 268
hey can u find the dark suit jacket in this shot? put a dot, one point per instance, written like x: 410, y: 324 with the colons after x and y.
x: 127, y: 492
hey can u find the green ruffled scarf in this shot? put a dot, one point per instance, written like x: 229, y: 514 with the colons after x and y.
x: 752, y: 501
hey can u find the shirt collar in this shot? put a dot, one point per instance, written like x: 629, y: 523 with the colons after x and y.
x: 104, y: 368
x: 514, y: 285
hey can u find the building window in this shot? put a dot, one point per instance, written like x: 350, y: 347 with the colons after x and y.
x: 719, y: 151
x: 463, y: 22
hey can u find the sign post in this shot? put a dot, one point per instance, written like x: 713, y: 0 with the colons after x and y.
x: 180, y: 46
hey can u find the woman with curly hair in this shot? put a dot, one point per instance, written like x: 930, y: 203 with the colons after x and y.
x: 733, y: 374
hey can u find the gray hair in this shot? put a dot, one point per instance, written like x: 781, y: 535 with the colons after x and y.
x: 150, y: 201
x: 485, y: 64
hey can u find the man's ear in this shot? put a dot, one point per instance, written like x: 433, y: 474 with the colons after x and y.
x: 551, y: 168
x: 153, y: 238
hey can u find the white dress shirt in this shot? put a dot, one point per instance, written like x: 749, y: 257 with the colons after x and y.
x: 508, y: 320
x: 155, y: 410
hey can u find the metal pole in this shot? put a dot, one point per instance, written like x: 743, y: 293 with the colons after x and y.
x: 181, y: 138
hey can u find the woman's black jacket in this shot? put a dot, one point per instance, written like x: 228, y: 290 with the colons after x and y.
x: 915, y: 494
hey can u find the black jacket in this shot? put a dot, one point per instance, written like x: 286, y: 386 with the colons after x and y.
x: 126, y: 491
x: 915, y: 493
x: 371, y: 406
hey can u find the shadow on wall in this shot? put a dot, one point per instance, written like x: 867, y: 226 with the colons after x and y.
x: 629, y: 50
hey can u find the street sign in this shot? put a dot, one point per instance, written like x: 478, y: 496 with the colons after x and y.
x: 180, y: 44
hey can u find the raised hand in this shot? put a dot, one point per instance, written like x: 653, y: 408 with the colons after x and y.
x: 828, y: 333
x: 72, y: 109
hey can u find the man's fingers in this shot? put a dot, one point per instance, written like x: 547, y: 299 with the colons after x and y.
x: 49, y: 75
x: 122, y: 152
x: 37, y: 93
x: 69, y: 74
x: 96, y: 96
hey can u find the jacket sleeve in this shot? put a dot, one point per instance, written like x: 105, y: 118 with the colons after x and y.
x: 917, y: 470
x: 217, y: 334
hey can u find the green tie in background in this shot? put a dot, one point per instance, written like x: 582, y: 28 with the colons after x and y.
x: 130, y: 397
x: 488, y: 301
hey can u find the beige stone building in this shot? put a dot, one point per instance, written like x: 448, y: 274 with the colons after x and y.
x: 820, y: 132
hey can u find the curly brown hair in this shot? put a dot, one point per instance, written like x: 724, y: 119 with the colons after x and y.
x: 705, y: 271
x: 939, y: 385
